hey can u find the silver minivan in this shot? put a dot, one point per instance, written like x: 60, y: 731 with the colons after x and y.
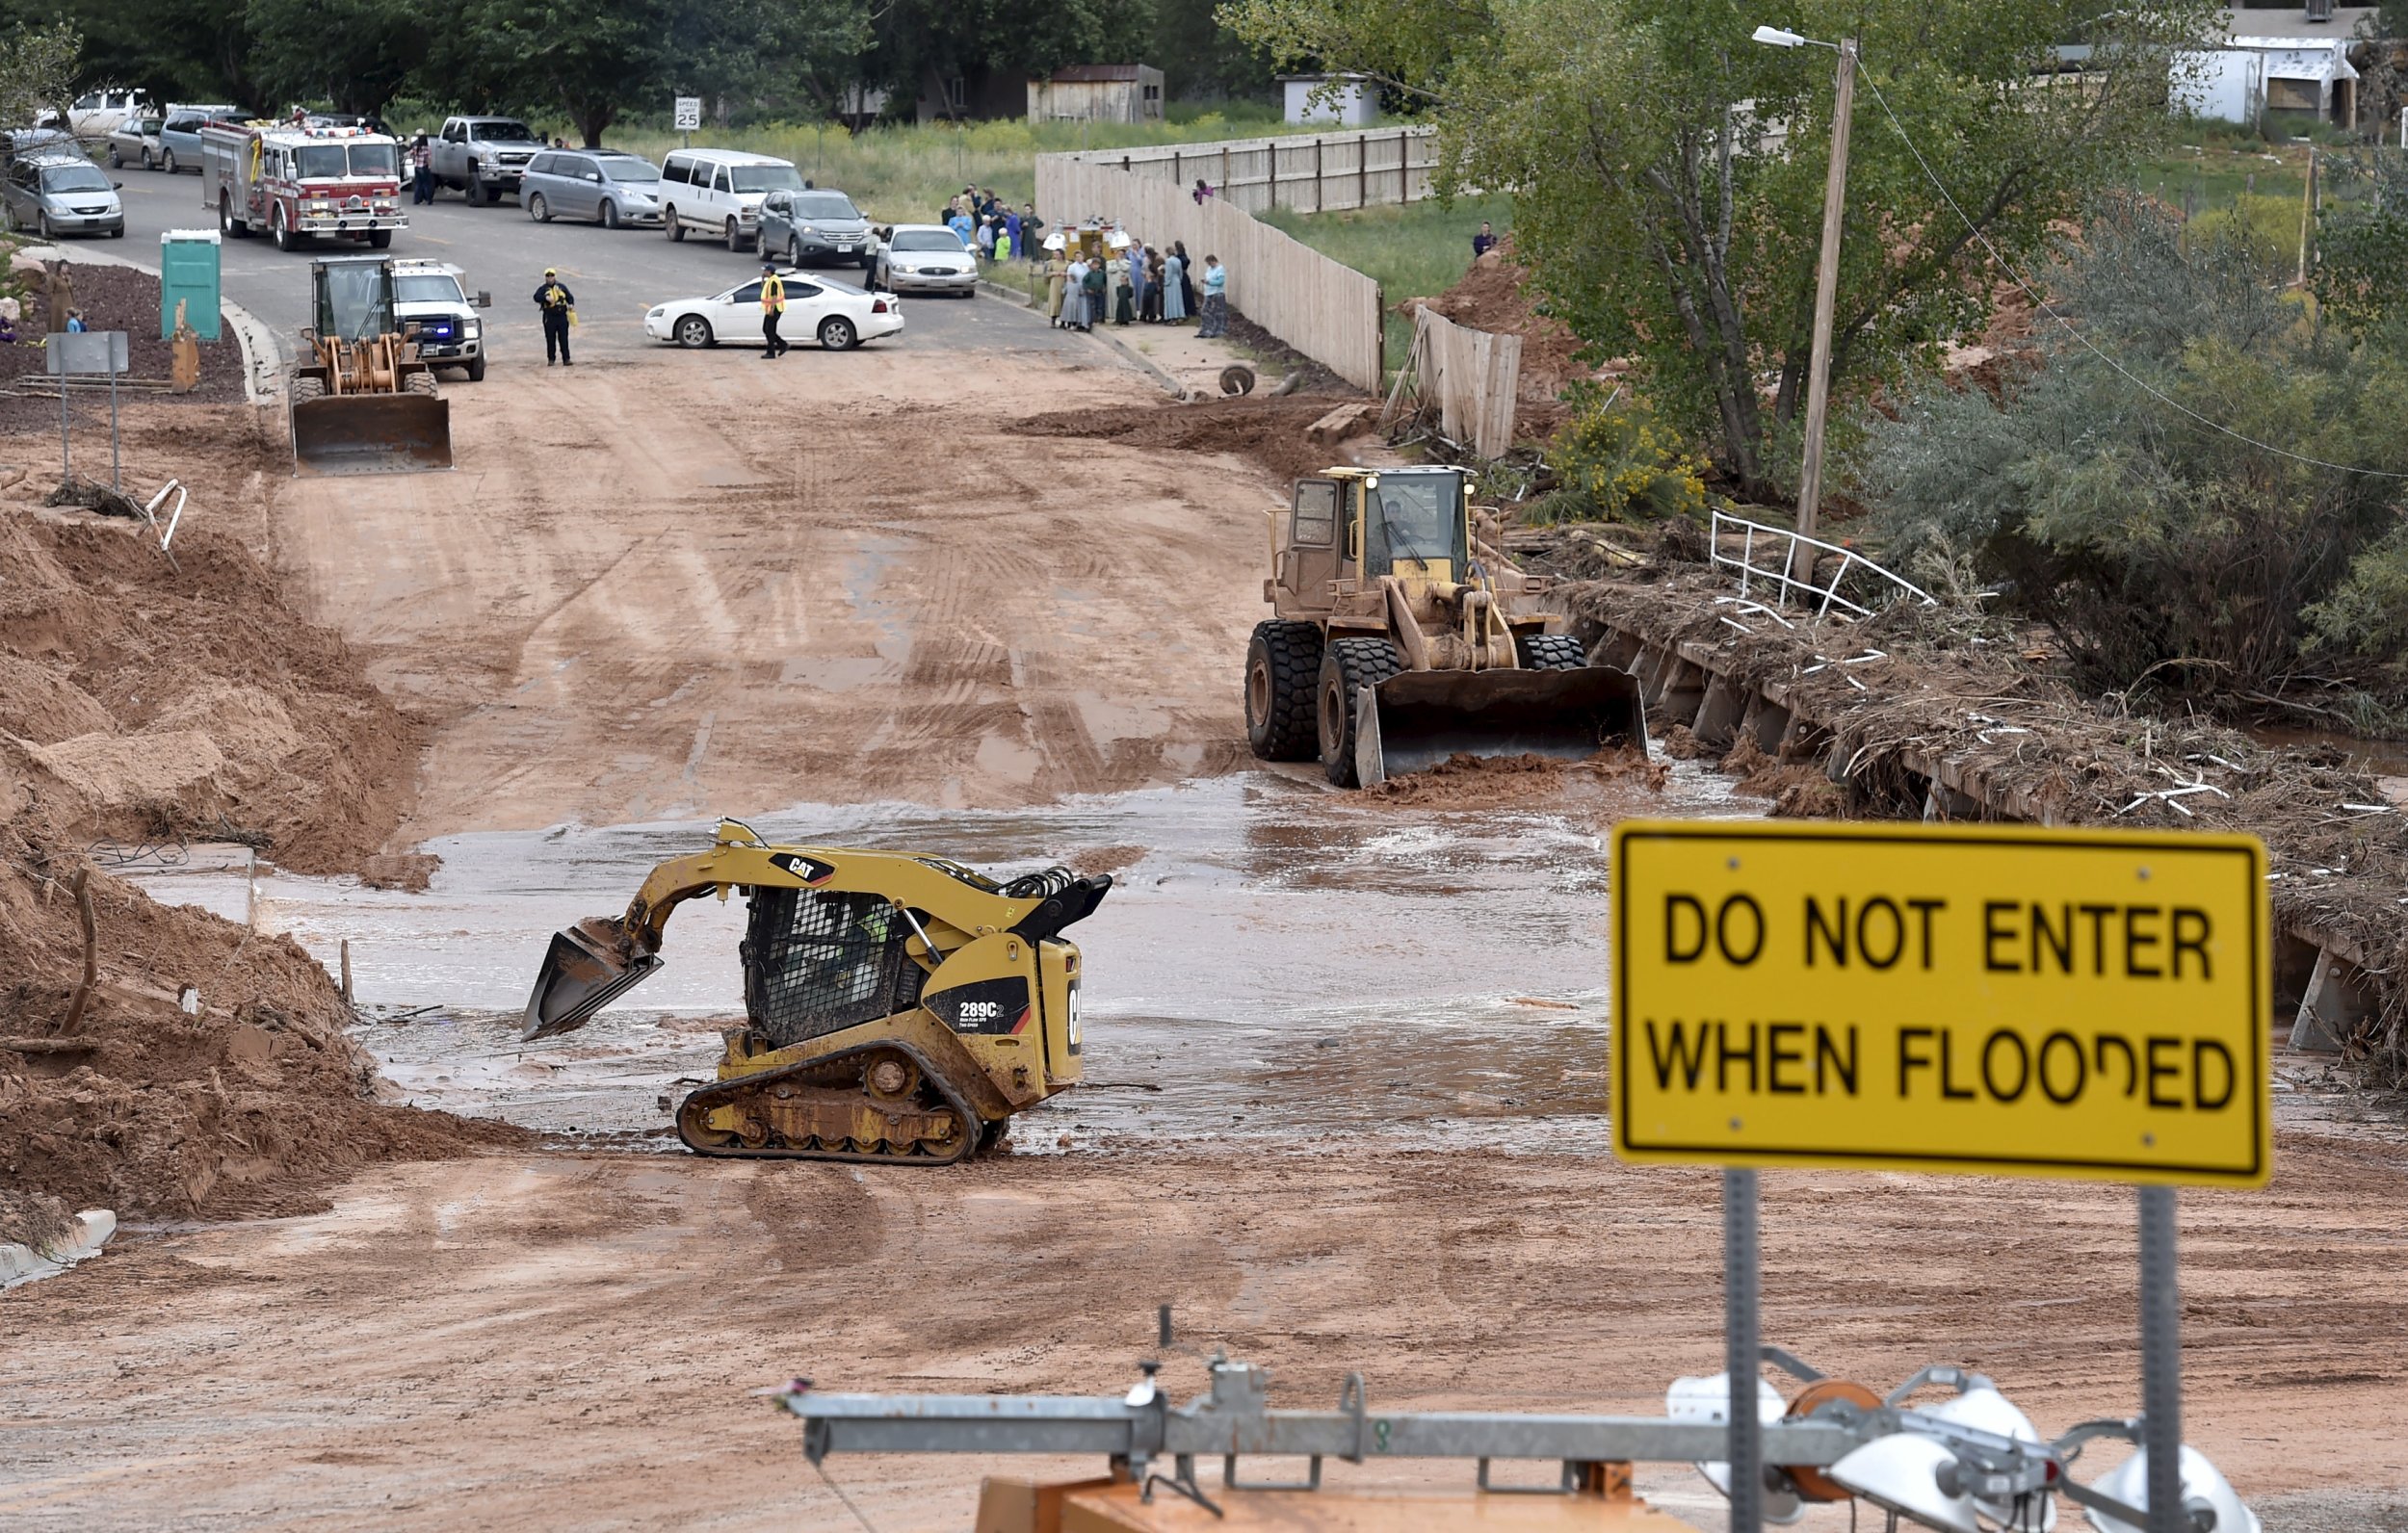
x: 57, y: 193
x: 605, y: 185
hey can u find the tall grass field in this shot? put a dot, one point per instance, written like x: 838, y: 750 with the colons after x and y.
x: 1413, y: 250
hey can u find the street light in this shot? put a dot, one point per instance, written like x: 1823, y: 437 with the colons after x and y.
x: 1826, y: 289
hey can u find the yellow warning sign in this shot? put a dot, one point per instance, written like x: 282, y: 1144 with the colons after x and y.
x: 2088, y: 1004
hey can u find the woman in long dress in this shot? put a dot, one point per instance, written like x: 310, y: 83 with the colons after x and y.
x: 1057, y: 278
x: 1174, y: 287
x: 1151, y: 311
x: 1187, y: 278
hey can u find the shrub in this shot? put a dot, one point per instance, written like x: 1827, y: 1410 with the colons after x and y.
x: 2195, y: 503
x: 1619, y: 464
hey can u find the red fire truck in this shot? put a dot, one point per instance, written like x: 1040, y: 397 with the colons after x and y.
x: 293, y: 182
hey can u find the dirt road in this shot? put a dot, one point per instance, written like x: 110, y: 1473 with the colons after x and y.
x: 691, y: 582
x: 556, y: 1339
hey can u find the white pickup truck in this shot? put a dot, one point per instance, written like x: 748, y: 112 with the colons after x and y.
x: 485, y: 157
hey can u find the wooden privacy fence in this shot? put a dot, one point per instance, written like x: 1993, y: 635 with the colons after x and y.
x: 1318, y: 173
x: 1471, y: 378
x: 1325, y: 309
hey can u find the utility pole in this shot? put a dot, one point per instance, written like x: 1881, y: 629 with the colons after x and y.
x: 1826, y: 298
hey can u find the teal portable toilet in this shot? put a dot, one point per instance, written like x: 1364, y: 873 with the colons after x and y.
x: 188, y: 272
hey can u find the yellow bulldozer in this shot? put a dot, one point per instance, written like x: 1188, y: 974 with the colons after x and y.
x: 898, y: 1008
x: 362, y: 401
x: 1402, y: 636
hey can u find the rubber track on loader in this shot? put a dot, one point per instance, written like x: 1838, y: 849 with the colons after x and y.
x: 840, y: 1082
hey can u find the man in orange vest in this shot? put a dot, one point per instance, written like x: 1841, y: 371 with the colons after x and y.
x: 772, y: 308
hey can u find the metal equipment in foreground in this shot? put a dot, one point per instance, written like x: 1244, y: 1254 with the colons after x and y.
x: 1401, y: 637
x: 362, y: 401
x: 1966, y: 1462
x: 898, y: 1008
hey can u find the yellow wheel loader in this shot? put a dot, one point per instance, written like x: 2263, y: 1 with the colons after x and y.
x: 362, y: 401
x: 898, y: 1008
x: 1404, y: 637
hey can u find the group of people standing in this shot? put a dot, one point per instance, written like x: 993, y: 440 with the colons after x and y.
x: 991, y: 226
x: 1136, y: 284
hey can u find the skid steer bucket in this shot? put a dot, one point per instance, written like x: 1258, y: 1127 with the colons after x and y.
x: 587, y: 968
x: 371, y: 433
x: 1417, y: 719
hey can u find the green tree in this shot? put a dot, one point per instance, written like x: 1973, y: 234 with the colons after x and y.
x: 1667, y: 173
x: 38, y: 69
x: 354, y: 55
x: 981, y: 40
x: 2159, y: 548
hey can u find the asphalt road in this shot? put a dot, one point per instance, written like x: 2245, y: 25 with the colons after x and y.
x: 617, y: 274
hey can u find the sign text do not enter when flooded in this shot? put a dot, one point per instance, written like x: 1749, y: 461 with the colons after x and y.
x: 2071, y: 1004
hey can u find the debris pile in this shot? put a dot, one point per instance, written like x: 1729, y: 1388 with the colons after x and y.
x: 1900, y: 699
x: 160, y: 1060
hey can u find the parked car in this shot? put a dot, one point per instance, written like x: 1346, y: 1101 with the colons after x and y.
x: 610, y: 186
x: 428, y: 295
x: 179, y: 136
x: 719, y: 191
x: 924, y: 258
x: 485, y: 157
x: 840, y: 314
x: 60, y: 194
x: 816, y: 225
x: 136, y: 139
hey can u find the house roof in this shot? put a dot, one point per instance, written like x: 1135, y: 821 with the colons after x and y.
x: 2292, y: 21
x: 1094, y: 73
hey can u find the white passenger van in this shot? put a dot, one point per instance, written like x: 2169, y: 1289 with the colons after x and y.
x: 719, y: 192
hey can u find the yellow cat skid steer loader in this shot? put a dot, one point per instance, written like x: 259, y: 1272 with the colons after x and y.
x: 898, y: 1008
x: 1402, y: 637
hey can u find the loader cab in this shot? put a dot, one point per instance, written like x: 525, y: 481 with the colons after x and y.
x: 1411, y: 522
x: 354, y: 298
x: 1358, y: 524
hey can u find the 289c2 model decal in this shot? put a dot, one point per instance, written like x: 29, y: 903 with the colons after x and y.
x: 988, y: 1006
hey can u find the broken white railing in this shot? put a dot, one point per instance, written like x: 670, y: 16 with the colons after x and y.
x: 1779, y: 545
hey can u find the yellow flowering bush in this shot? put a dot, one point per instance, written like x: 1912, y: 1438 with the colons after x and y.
x: 1619, y: 462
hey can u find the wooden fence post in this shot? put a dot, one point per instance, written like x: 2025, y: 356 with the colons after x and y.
x: 1362, y: 169
x: 1320, y: 196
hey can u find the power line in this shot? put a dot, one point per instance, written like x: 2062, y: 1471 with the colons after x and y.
x: 2042, y: 304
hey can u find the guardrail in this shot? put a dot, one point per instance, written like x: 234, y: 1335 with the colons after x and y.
x: 1785, y: 543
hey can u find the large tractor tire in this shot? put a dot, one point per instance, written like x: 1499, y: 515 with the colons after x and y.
x: 1551, y: 651
x: 1346, y: 664
x: 1283, y: 666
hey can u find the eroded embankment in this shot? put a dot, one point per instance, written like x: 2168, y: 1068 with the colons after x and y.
x: 1925, y: 713
x: 159, y: 1059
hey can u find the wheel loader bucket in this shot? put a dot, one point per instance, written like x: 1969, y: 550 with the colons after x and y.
x: 371, y: 433
x: 1417, y: 719
x: 585, y: 968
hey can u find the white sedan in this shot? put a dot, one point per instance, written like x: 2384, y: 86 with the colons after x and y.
x: 838, y: 314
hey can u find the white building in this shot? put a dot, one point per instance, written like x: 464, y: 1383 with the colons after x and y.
x: 2275, y: 65
x: 1341, y: 100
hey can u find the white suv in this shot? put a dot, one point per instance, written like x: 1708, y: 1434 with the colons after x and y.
x: 718, y: 192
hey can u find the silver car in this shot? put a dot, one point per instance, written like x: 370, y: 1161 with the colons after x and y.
x: 136, y: 139
x: 925, y: 258
x: 605, y: 185
x: 55, y: 195
x: 817, y: 224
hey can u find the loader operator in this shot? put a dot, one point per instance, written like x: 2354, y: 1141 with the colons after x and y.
x: 558, y: 305
x: 773, y: 309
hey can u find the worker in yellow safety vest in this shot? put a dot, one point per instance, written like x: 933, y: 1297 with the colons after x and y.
x: 773, y: 309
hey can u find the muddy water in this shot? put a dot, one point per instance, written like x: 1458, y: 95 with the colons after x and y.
x: 1278, y: 962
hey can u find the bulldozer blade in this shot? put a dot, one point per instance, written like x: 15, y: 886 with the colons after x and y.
x: 582, y: 972
x: 1417, y: 719
x: 371, y: 433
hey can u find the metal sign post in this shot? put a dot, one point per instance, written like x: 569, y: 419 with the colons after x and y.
x: 71, y: 353
x: 1741, y: 1346
x: 1976, y: 999
x: 2161, y: 1363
